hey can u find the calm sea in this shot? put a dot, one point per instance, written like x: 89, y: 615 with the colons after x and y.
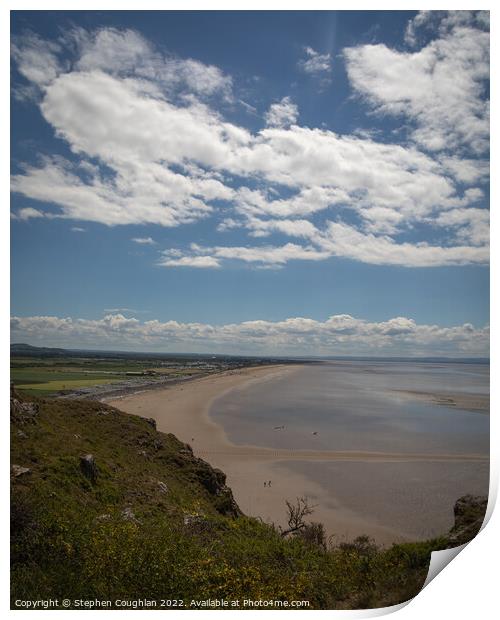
x: 360, y: 406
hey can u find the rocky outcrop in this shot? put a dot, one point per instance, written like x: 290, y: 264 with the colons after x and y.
x: 129, y: 515
x: 89, y: 467
x: 214, y: 481
x: 162, y: 487
x: 469, y: 512
x: 22, y: 412
x: 17, y: 470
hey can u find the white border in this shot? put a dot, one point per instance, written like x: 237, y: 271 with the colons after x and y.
x: 467, y: 587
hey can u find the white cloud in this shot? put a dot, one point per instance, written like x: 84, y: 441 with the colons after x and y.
x: 466, y: 170
x: 126, y: 52
x: 339, y: 334
x: 441, y: 87
x: 340, y: 239
x: 109, y: 49
x: 120, y: 310
x: 200, y: 256
x: 27, y: 213
x: 414, y: 25
x: 144, y: 240
x: 201, y: 262
x: 36, y: 58
x: 146, y: 149
x: 316, y: 64
x: 282, y: 114
x: 78, y: 229
x: 442, y: 22
x: 343, y: 240
x: 471, y: 225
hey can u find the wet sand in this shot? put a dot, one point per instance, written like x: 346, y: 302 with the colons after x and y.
x: 184, y: 411
x: 469, y: 402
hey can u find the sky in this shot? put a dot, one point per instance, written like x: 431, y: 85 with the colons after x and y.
x: 269, y: 183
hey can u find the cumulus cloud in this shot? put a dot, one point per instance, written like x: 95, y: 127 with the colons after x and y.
x: 441, y: 87
x: 149, y: 146
x: 339, y: 334
x: 282, y: 114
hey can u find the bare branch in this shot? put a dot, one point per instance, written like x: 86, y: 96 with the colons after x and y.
x: 296, y: 515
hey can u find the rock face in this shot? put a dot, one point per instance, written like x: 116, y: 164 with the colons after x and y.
x: 214, y: 481
x: 469, y: 512
x: 89, y: 467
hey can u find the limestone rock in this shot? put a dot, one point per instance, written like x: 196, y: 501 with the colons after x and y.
x: 162, y: 486
x: 193, y: 519
x: 128, y: 514
x: 23, y: 412
x: 17, y: 470
x: 89, y: 467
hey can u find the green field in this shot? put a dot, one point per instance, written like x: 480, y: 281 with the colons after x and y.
x: 49, y: 376
x: 44, y: 380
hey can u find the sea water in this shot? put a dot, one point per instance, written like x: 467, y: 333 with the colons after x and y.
x: 365, y: 406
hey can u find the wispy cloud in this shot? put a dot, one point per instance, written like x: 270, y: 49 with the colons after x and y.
x: 316, y: 64
x: 128, y: 310
x: 144, y: 240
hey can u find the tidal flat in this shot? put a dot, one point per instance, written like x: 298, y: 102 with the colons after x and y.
x: 388, y: 408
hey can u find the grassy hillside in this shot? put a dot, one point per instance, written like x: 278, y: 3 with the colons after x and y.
x: 141, y: 517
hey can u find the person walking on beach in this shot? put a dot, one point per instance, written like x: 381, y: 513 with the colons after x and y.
x: 265, y: 484
x: 269, y: 483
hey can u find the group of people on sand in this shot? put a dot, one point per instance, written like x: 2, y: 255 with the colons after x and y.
x: 267, y: 484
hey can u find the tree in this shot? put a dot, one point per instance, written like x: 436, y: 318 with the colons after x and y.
x: 296, y: 515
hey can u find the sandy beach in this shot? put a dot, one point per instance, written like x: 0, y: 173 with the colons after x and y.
x: 184, y: 410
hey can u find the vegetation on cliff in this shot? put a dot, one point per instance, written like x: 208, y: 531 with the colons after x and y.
x: 104, y: 506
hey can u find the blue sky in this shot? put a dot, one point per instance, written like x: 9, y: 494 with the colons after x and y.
x: 278, y: 182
